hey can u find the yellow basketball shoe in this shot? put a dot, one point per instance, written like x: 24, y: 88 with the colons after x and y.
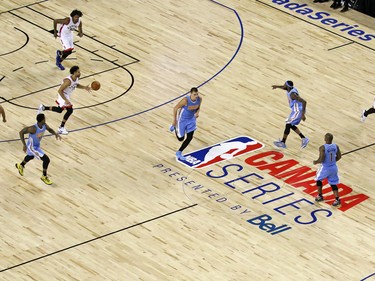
x: 20, y: 168
x: 46, y: 180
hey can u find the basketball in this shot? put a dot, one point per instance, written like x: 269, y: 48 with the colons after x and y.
x: 95, y: 85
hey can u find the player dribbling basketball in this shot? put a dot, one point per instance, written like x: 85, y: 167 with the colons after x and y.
x: 65, y: 91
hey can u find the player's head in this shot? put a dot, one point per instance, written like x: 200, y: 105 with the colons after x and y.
x: 194, y: 93
x: 76, y: 13
x: 74, y: 70
x: 41, y: 118
x: 289, y: 84
x: 328, y: 138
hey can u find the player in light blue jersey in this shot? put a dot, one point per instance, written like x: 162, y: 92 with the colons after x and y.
x: 184, y: 121
x: 32, y: 148
x: 298, y: 107
x: 329, y: 154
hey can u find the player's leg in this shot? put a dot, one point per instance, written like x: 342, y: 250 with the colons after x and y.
x: 367, y: 112
x: 180, y: 129
x: 45, y: 164
x: 281, y: 143
x: 57, y: 109
x: 2, y: 113
x: 21, y: 166
x: 189, y: 137
x: 336, y: 4
x: 62, y: 130
x: 333, y: 180
x: 67, y: 43
x: 305, y: 140
x: 180, y: 135
x: 346, y: 6
x: 68, y: 46
x: 189, y: 126
x: 319, y: 185
x: 65, y: 54
x: 190, y: 129
x: 321, y: 174
x: 335, y: 191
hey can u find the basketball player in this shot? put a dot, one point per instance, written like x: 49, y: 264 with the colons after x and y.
x: 329, y: 154
x: 65, y: 91
x: 337, y: 4
x: 365, y: 113
x: 184, y: 122
x: 32, y: 148
x: 298, y: 106
x: 2, y: 112
x: 65, y: 32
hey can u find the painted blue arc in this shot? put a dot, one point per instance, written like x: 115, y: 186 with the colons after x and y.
x: 160, y: 105
x: 368, y: 277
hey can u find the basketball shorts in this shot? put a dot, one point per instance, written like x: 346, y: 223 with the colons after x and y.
x: 294, y: 118
x: 62, y: 104
x: 185, y: 126
x: 35, y: 151
x: 67, y: 41
x: 330, y: 173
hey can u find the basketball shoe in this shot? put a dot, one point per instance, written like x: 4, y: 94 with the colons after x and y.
x: 46, y: 180
x: 20, y: 168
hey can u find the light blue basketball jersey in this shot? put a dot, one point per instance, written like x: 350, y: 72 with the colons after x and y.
x: 33, y: 143
x: 35, y: 139
x: 294, y: 104
x: 188, y: 111
x: 330, y: 151
x: 295, y: 116
x: 329, y: 169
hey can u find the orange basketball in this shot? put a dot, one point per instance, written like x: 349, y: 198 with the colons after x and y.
x: 95, y: 85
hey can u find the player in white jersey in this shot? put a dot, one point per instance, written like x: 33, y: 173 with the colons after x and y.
x: 64, y: 28
x: 65, y: 91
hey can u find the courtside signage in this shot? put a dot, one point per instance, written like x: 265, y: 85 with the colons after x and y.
x: 267, y: 205
x: 325, y: 19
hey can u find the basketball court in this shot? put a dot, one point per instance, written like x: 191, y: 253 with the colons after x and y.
x: 123, y: 208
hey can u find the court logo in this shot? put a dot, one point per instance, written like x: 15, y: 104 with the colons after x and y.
x: 221, y: 151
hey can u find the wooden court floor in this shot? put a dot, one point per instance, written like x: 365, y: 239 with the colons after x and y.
x: 121, y: 206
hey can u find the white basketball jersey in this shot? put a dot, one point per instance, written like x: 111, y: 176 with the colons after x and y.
x: 67, y: 29
x: 68, y: 91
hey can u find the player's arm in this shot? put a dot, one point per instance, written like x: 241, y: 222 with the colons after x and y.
x: 199, y: 108
x: 66, y: 83
x: 80, y: 31
x: 177, y: 107
x: 282, y: 87
x: 87, y: 88
x: 321, y: 156
x: 293, y: 96
x: 338, y: 155
x: 59, y: 21
x: 49, y: 129
x: 2, y: 112
x: 26, y: 130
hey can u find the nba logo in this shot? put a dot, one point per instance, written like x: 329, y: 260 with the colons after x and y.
x: 220, y: 152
